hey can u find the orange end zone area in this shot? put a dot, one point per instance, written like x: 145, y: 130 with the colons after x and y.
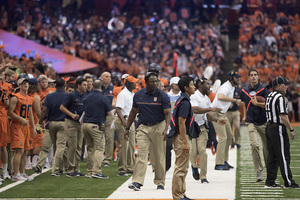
x: 296, y: 124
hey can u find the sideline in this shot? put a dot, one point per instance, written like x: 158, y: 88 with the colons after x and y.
x: 20, y: 182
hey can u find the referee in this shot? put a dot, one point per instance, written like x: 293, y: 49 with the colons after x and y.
x: 277, y: 136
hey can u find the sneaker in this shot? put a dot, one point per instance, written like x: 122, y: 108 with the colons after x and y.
x: 222, y: 167
x: 273, y: 186
x: 204, y: 180
x: 100, y: 176
x: 47, y: 166
x: 1, y: 180
x: 227, y: 164
x: 195, y: 173
x: 19, y: 177
x: 135, y: 186
x: 129, y: 173
x: 37, y: 169
x: 185, y: 198
x: 79, y: 174
x: 106, y: 165
x: 293, y: 186
x: 56, y: 174
x: 122, y: 174
x: 238, y: 146
x: 259, y: 176
x: 27, y: 177
x: 72, y: 174
x: 161, y: 187
x: 6, y: 175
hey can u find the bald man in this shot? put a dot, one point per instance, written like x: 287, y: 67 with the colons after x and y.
x: 107, y: 90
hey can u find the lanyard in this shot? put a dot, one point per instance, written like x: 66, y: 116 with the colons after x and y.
x: 251, y: 97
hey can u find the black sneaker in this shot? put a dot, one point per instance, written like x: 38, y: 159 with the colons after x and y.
x: 195, y: 173
x: 204, y: 180
x: 79, y: 174
x: 106, y: 165
x: 293, y: 186
x: 238, y: 146
x: 161, y: 187
x: 56, y: 174
x: 222, y: 167
x: 273, y: 186
x: 100, y: 176
x: 135, y: 186
x: 72, y: 174
x: 122, y: 174
x: 227, y: 164
x: 38, y: 169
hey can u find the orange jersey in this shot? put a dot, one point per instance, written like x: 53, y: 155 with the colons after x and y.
x: 35, y: 117
x: 5, y: 90
x: 23, y: 105
x: 44, y: 93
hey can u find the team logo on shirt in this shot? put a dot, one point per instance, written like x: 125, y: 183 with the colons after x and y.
x: 110, y: 91
x: 155, y: 99
x: 252, y: 93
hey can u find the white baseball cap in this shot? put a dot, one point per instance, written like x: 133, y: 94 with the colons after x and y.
x: 174, y: 80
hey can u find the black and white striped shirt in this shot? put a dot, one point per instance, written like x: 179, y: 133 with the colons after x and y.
x: 275, y: 105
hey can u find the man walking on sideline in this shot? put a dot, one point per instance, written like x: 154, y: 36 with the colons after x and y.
x: 255, y: 116
x: 153, y: 106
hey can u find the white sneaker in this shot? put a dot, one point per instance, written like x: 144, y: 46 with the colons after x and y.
x: 1, y: 180
x: 6, y: 175
x: 27, y: 177
x: 28, y: 166
x: 19, y: 177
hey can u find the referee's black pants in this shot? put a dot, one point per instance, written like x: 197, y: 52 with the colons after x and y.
x: 279, y: 154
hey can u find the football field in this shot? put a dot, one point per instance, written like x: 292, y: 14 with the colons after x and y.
x: 238, y: 183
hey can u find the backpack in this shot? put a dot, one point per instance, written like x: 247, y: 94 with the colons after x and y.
x: 192, y: 127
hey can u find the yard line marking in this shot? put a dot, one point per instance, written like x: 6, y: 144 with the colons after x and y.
x: 20, y: 182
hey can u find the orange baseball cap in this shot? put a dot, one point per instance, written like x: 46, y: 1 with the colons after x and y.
x: 131, y: 79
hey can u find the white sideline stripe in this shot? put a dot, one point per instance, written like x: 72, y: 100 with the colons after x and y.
x: 54, y: 198
x: 20, y: 182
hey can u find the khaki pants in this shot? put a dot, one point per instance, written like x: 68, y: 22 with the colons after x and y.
x: 74, y: 134
x: 225, y: 136
x: 181, y: 168
x: 234, y: 119
x: 126, y: 148
x: 146, y: 136
x: 254, y: 131
x: 109, y: 139
x: 95, y: 143
x: 199, y: 148
x: 58, y: 137
x: 46, y: 146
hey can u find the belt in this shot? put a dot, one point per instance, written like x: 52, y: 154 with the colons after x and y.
x: 151, y: 124
x: 270, y: 123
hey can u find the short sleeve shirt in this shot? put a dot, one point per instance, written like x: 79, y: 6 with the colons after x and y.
x: 228, y: 90
x: 108, y: 92
x: 124, y: 101
x: 151, y: 105
x: 202, y: 101
x: 74, y: 103
x: 53, y: 102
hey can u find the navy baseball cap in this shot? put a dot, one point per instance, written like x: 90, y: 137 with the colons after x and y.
x: 233, y: 73
x: 33, y: 81
x: 280, y: 80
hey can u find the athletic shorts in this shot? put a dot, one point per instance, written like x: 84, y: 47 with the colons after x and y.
x: 20, y: 136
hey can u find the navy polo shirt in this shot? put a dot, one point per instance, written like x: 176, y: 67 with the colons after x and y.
x: 151, y: 105
x: 96, y: 106
x: 184, y: 110
x: 236, y: 95
x: 53, y: 102
x: 108, y: 92
x: 88, y: 92
x: 74, y: 103
x: 255, y: 114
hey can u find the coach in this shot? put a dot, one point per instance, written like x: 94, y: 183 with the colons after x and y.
x: 153, y: 106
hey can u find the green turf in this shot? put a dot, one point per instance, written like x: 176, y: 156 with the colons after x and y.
x: 247, y: 188
x: 47, y: 186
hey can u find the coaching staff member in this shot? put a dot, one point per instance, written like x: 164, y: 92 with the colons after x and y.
x: 72, y: 106
x: 277, y: 136
x: 56, y: 120
x: 96, y: 106
x: 154, y: 108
